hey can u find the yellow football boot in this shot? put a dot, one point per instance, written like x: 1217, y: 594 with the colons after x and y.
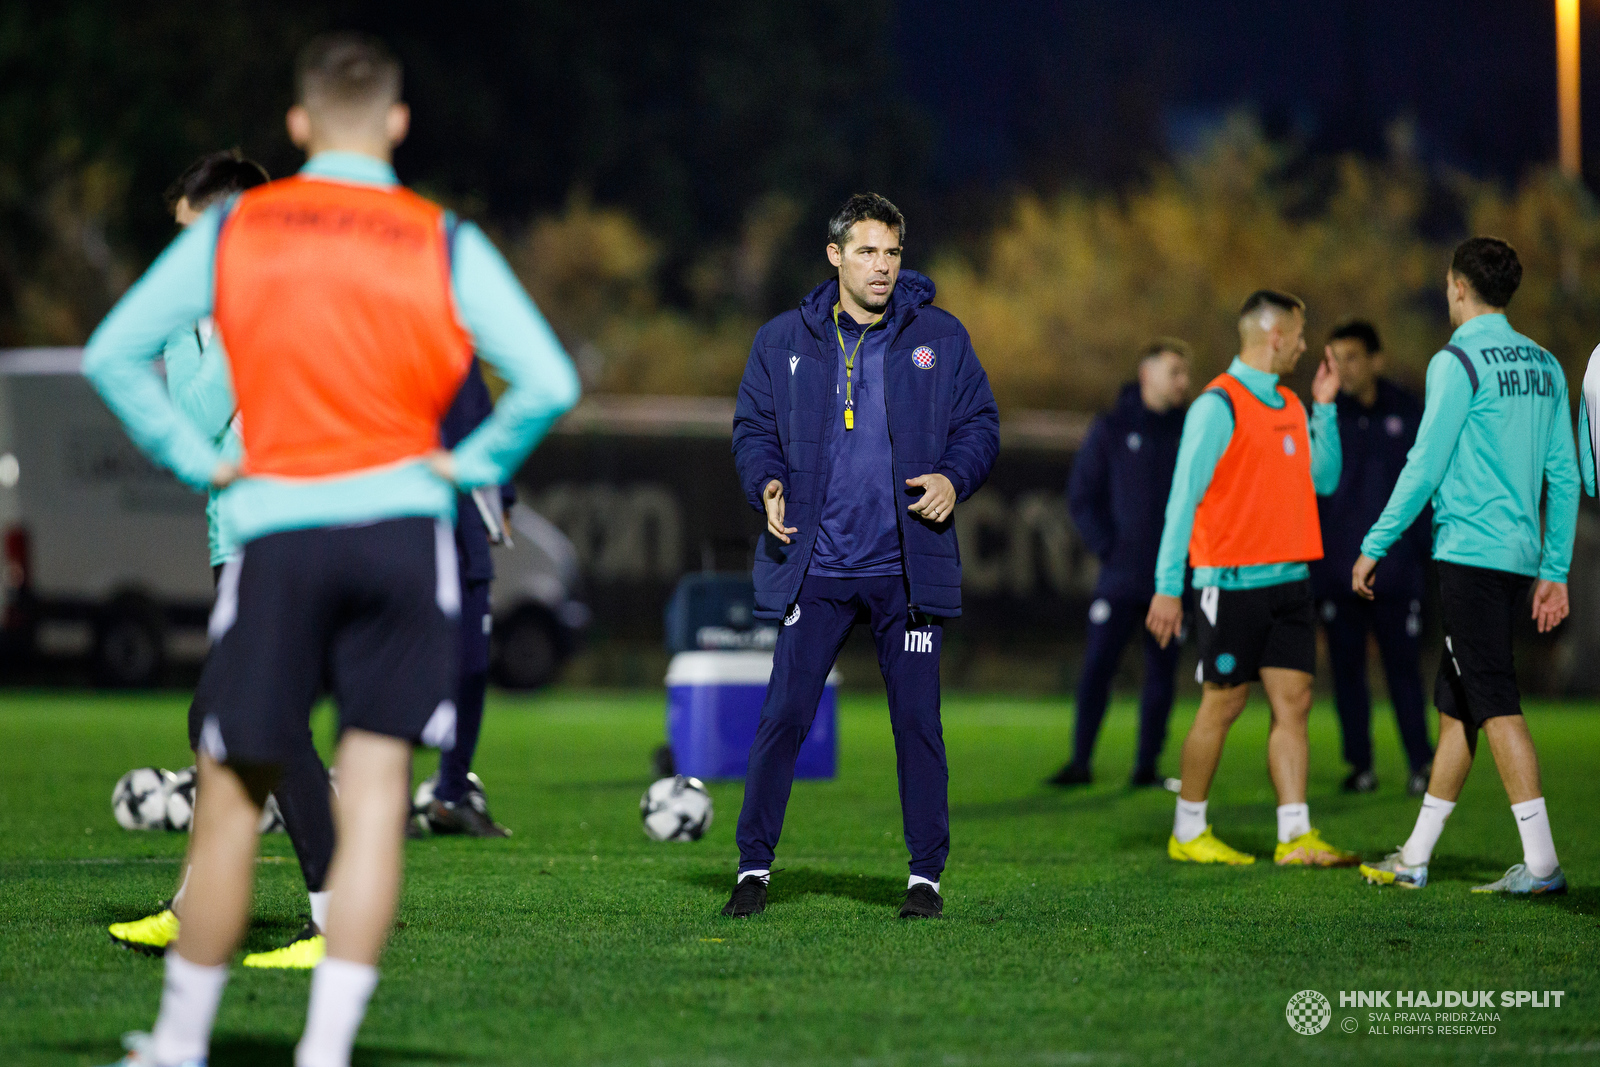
x: 1207, y: 848
x: 150, y: 935
x: 1310, y: 850
x: 300, y: 954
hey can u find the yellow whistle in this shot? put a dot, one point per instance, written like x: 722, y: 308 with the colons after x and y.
x: 849, y: 419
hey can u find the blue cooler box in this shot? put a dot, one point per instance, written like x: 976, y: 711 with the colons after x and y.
x: 714, y: 704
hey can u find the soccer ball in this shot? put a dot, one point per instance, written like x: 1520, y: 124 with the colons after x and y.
x: 271, y: 817
x: 139, y: 801
x: 180, y: 800
x: 676, y: 809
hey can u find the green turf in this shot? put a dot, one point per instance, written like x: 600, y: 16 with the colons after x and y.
x: 1070, y: 937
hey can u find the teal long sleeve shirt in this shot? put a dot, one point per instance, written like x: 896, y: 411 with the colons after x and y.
x: 1207, y: 430
x: 1496, y: 435
x: 201, y: 389
x: 507, y: 332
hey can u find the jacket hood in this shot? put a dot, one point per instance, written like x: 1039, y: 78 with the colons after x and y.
x: 912, y: 292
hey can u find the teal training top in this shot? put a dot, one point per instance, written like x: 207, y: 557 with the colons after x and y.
x: 1207, y: 429
x: 507, y: 331
x: 1496, y: 434
x: 202, y: 390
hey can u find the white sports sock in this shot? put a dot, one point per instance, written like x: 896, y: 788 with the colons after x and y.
x: 189, y: 998
x: 319, y: 910
x: 339, y: 994
x: 761, y: 873
x: 1190, y: 821
x: 1418, y: 848
x: 917, y: 879
x: 1538, y: 849
x: 1293, y: 820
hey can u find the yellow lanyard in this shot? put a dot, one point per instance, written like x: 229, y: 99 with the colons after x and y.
x: 849, y: 367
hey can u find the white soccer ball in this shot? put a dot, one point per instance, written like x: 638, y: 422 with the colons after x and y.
x: 271, y: 817
x: 180, y: 800
x: 676, y: 809
x: 139, y: 801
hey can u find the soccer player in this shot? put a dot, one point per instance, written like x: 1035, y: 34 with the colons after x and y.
x: 456, y: 808
x: 1496, y: 436
x: 1377, y: 424
x: 863, y: 418
x: 1117, y: 493
x: 1244, y: 511
x: 197, y: 382
x: 350, y: 309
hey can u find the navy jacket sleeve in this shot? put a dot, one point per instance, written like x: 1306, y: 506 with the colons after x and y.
x: 974, y: 435
x: 1089, y: 492
x: 757, y: 450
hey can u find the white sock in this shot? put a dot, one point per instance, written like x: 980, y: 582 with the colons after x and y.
x: 761, y: 873
x: 1190, y: 822
x: 1293, y: 820
x: 189, y: 999
x: 917, y: 879
x: 1538, y: 849
x: 1418, y: 848
x: 319, y: 910
x: 339, y: 993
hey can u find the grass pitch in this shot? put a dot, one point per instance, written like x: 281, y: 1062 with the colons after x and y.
x: 1070, y: 937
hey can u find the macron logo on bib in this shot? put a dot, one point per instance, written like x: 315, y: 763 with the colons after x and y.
x: 1288, y: 444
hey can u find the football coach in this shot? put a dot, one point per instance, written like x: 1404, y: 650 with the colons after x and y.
x: 863, y: 418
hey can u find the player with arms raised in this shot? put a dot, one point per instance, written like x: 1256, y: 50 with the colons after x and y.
x: 1496, y: 435
x: 1243, y: 509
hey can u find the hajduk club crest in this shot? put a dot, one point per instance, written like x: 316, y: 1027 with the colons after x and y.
x: 923, y: 358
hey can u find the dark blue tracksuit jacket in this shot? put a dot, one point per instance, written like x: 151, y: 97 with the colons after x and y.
x: 1118, y: 492
x: 942, y: 419
x: 1374, y: 442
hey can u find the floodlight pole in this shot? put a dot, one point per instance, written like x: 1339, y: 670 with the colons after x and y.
x: 1567, y: 87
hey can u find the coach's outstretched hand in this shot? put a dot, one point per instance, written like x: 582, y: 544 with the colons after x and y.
x: 1325, y: 386
x: 937, y: 501
x: 772, y: 499
x: 1165, y: 618
x: 1549, y: 604
x: 1361, y: 576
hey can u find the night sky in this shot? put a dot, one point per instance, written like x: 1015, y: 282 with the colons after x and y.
x: 1019, y: 91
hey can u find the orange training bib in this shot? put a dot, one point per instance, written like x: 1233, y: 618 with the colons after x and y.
x: 1261, y: 506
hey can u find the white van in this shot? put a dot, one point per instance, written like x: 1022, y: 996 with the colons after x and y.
x: 104, y: 553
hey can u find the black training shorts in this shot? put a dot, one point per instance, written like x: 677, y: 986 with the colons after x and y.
x: 1240, y: 631
x: 377, y: 605
x: 1477, y: 673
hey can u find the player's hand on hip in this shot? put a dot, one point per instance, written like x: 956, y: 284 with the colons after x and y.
x: 442, y: 464
x: 224, y: 474
x: 1361, y: 576
x: 1549, y: 604
x: 1325, y: 386
x: 772, y: 499
x: 1165, y: 618
x: 938, y: 499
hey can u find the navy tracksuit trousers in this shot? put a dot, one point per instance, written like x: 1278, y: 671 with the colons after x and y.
x: 908, y: 654
x: 1112, y: 623
x: 1398, y: 625
x: 471, y: 688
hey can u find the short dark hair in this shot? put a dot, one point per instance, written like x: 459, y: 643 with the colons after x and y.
x: 1157, y: 345
x: 1490, y: 266
x: 346, y: 71
x: 1358, y: 330
x: 1262, y: 297
x: 214, y: 176
x: 863, y: 207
